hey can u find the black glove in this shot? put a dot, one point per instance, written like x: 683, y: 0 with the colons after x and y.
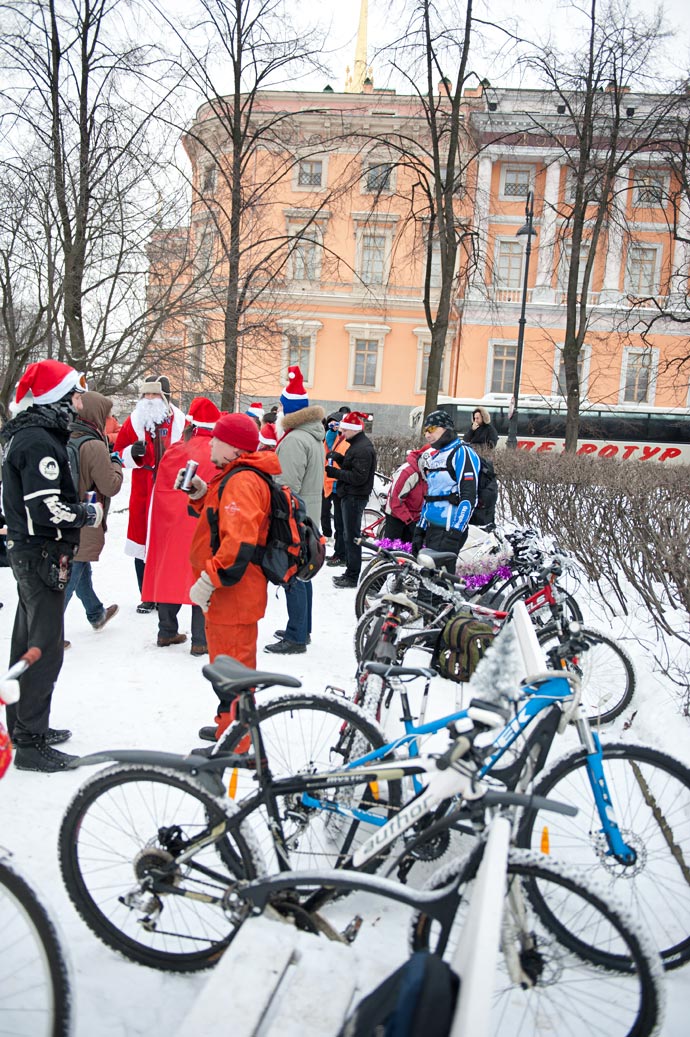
x: 332, y: 472
x: 333, y: 455
x: 138, y: 450
x: 417, y: 540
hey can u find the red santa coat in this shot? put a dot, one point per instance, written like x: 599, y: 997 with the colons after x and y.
x: 168, y: 574
x: 143, y: 474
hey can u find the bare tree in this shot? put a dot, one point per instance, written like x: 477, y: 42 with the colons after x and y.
x: 599, y: 129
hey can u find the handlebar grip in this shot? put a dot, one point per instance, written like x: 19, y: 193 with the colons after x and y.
x: 458, y: 749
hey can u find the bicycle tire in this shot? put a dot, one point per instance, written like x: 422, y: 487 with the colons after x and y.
x: 654, y: 819
x: 368, y: 629
x: 377, y: 560
x: 606, y: 671
x: 34, y: 975
x: 570, y: 983
x: 372, y: 522
x: 150, y: 811
x: 380, y: 581
x: 543, y: 616
x: 310, y: 733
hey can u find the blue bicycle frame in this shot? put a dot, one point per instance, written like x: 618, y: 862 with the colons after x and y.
x: 537, y: 699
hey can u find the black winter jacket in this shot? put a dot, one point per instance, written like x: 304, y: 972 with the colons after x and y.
x: 358, y: 468
x: 485, y: 435
x: 39, y: 500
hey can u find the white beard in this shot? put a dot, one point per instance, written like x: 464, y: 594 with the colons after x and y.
x: 280, y: 428
x: 149, y: 413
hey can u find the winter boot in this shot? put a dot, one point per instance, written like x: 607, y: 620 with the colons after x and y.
x: 57, y: 736
x: 112, y: 610
x: 37, y: 755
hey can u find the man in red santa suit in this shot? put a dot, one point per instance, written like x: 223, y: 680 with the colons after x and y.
x: 168, y: 574
x: 141, y: 442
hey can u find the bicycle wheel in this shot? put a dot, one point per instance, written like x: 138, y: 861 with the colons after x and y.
x: 378, y: 560
x: 372, y: 522
x: 650, y: 793
x: 308, y: 734
x: 124, y: 825
x: 564, y: 989
x: 606, y: 673
x: 387, y: 578
x: 34, y: 978
x: 542, y: 616
x: 368, y: 629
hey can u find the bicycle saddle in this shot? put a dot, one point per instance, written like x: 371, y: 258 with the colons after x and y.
x: 229, y: 677
x: 441, y: 559
x: 390, y: 670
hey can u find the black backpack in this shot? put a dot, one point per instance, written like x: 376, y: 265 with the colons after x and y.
x: 295, y: 549
x: 74, y: 446
x: 418, y: 998
x: 487, y: 487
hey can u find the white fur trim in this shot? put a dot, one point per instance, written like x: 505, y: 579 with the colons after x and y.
x: 134, y: 550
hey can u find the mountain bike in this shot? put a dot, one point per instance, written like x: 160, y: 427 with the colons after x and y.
x: 34, y: 977
x: 606, y: 671
x: 167, y: 871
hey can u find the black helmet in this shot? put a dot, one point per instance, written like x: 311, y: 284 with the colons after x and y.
x: 439, y: 419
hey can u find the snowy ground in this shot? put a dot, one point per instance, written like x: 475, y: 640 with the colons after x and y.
x: 117, y: 690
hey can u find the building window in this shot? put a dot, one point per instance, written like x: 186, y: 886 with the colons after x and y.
x: 299, y: 347
x: 649, y: 189
x: 208, y: 179
x: 306, y: 256
x: 642, y: 277
x: 565, y: 264
x: 378, y: 177
x: 509, y: 256
x: 373, y: 258
x: 423, y: 353
x: 516, y: 181
x: 503, y: 367
x: 204, y: 239
x: 582, y: 372
x: 592, y: 187
x: 195, y: 355
x: 309, y: 173
x: 638, y: 375
x: 366, y: 356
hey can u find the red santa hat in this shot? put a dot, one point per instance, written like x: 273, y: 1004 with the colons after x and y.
x: 267, y: 435
x: 46, y: 381
x: 294, y: 395
x: 202, y: 412
x: 238, y: 430
x: 255, y: 410
x: 353, y: 422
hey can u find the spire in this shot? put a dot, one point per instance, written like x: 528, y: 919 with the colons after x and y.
x: 354, y: 83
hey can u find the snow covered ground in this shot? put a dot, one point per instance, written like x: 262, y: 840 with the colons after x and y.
x: 118, y: 690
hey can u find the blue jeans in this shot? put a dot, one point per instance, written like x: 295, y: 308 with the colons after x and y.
x: 299, y: 598
x: 80, y: 583
x: 352, y: 510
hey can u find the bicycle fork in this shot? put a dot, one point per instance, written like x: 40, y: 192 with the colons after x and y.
x: 617, y: 846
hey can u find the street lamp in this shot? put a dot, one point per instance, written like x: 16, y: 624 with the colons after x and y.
x: 528, y: 231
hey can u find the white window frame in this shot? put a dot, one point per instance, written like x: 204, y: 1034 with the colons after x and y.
x: 196, y: 366
x: 303, y: 328
x: 204, y: 232
x: 584, y: 363
x: 210, y: 170
x: 510, y: 167
x: 370, y: 332
x: 310, y: 188
x: 493, y: 343
x: 514, y: 243
x: 423, y: 336
x: 563, y: 271
x: 569, y: 191
x: 641, y: 172
x: 634, y: 351
x: 647, y: 246
x: 313, y: 234
x: 371, y: 162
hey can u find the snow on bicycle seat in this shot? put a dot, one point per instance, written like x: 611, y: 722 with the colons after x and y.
x: 441, y: 559
x: 230, y: 677
x: 389, y: 670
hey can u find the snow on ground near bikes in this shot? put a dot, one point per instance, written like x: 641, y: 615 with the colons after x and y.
x: 118, y: 690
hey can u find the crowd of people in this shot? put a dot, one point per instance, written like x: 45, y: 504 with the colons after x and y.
x: 199, y: 517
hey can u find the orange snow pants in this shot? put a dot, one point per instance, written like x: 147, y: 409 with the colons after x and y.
x: 239, y: 641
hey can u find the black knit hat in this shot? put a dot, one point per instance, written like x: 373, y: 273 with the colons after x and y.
x: 439, y: 419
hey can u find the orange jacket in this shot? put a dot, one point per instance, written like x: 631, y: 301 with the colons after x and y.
x: 341, y: 445
x: 242, y: 525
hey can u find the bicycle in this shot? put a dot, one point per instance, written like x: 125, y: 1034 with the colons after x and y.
x: 607, y: 672
x: 161, y: 875
x: 34, y: 975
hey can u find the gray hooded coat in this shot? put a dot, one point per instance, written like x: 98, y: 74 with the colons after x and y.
x: 302, y: 458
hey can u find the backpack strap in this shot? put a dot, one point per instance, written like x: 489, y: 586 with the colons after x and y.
x: 212, y: 513
x: 454, y: 497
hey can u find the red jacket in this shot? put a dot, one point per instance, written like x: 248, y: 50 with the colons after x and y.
x: 168, y: 575
x: 243, y: 519
x: 407, y: 489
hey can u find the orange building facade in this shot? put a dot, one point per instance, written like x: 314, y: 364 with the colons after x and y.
x: 336, y: 241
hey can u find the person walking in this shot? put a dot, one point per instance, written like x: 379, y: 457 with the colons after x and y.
x: 481, y: 433
x: 452, y: 475
x: 234, y: 514
x: 152, y: 427
x: 44, y: 517
x: 354, y: 483
x: 300, y: 453
x: 168, y: 573
x: 99, y: 471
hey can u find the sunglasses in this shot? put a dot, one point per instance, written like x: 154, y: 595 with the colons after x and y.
x: 81, y: 384
x: 432, y: 428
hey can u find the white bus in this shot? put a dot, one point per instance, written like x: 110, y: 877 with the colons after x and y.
x: 627, y: 431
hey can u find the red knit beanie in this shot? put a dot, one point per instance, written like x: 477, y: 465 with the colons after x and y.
x: 238, y: 430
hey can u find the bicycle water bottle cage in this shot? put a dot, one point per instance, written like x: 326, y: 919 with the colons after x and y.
x: 229, y: 678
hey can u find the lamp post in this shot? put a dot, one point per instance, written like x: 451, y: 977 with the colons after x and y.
x: 526, y: 230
